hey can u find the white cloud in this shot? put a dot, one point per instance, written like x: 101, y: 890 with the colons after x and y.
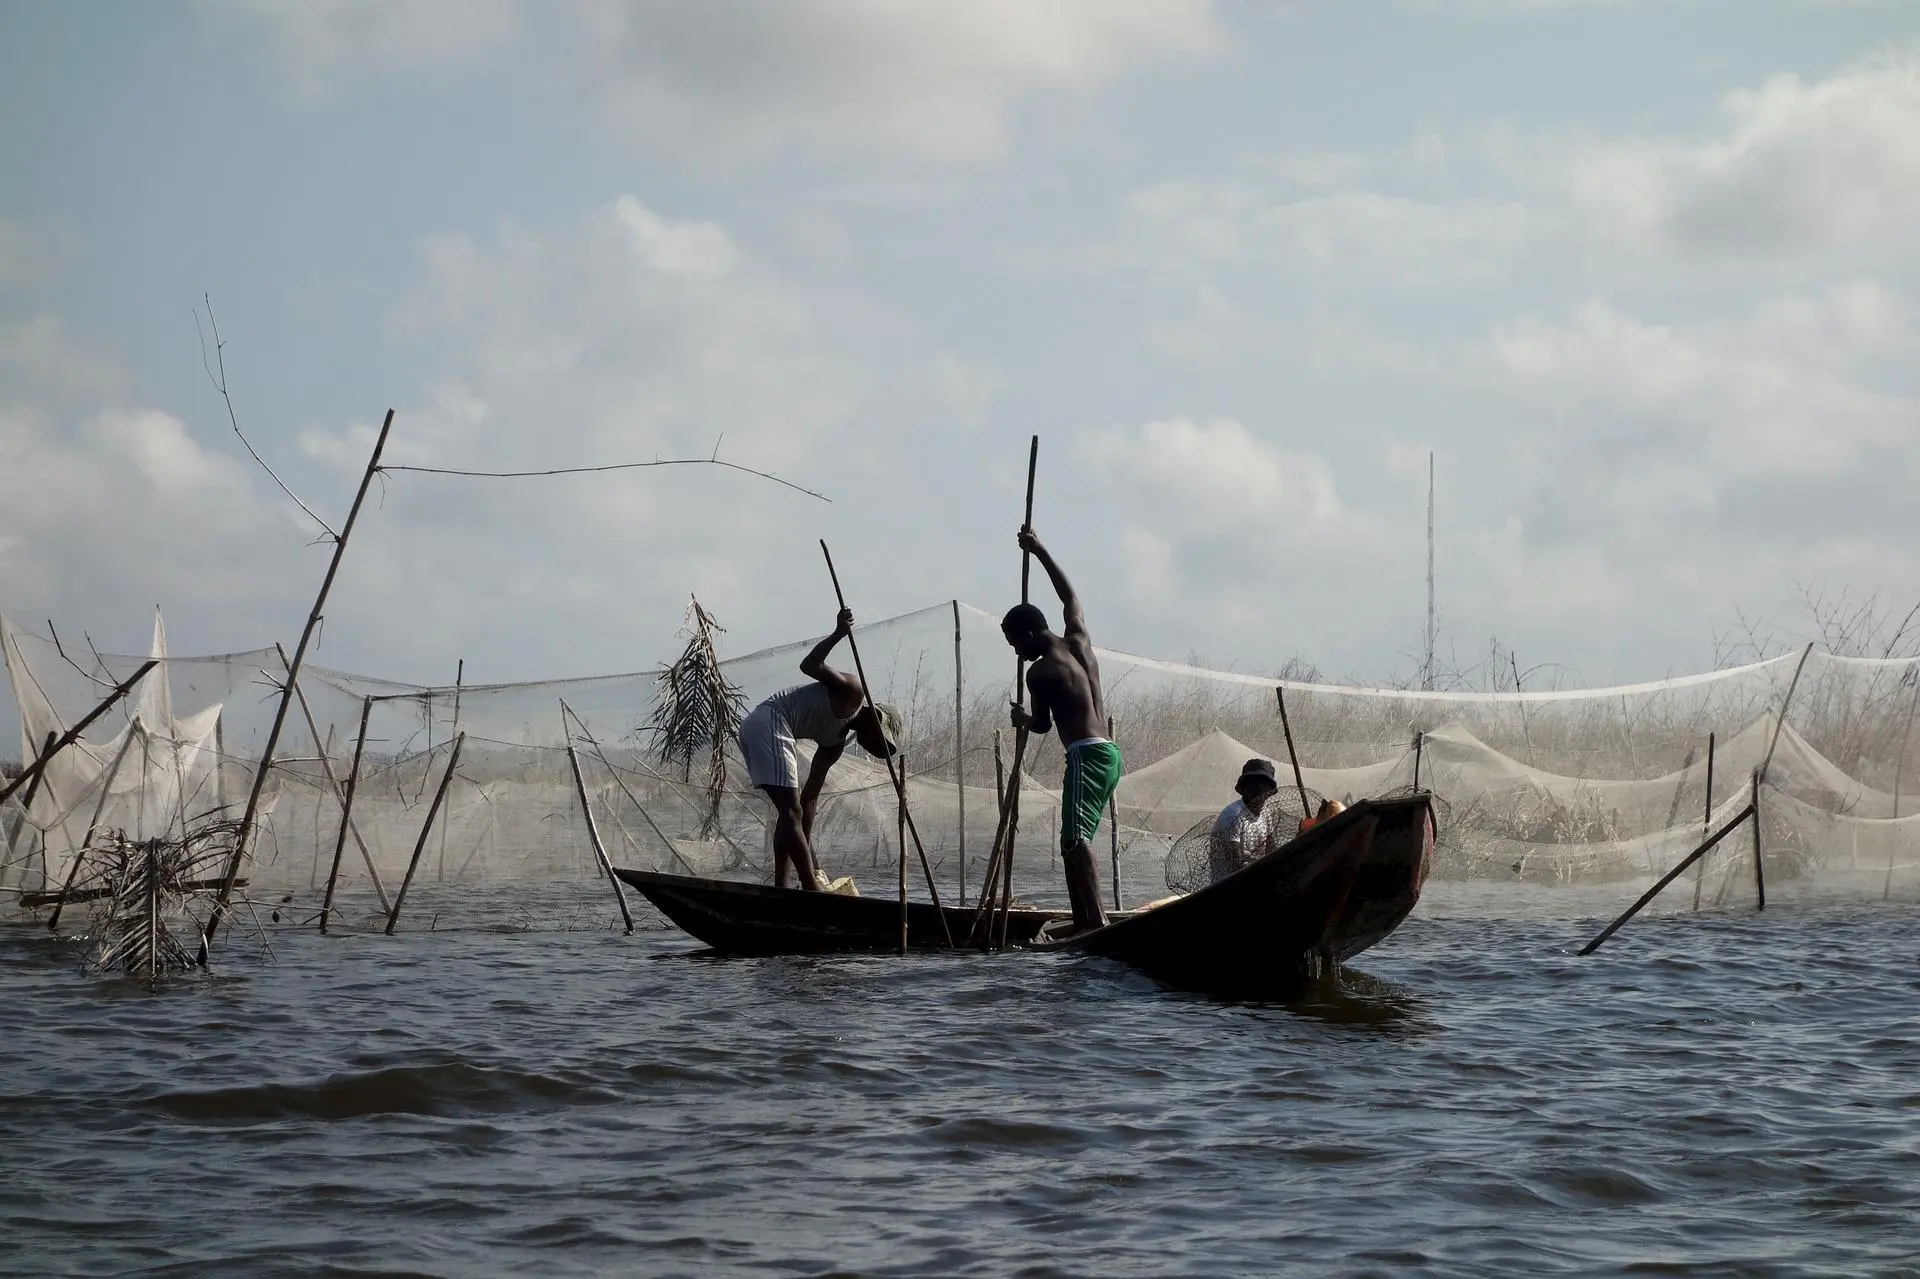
x: 938, y: 82
x: 40, y: 353
x: 1791, y: 168
x: 318, y: 44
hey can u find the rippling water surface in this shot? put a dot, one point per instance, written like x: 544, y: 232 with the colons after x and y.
x: 1733, y: 1094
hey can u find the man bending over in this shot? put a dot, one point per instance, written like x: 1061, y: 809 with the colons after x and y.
x: 825, y: 712
x: 1064, y: 683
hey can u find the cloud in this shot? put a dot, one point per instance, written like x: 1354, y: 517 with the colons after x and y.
x: 729, y: 81
x: 1791, y: 168
x: 320, y: 44
x: 41, y: 354
x: 740, y: 80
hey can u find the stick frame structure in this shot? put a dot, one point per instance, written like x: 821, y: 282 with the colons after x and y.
x: 1732, y: 824
x: 30, y: 775
x: 593, y: 833
x: 346, y: 816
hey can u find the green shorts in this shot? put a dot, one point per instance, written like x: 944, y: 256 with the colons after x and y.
x: 1093, y: 771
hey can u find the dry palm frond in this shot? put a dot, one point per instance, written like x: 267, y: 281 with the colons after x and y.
x: 148, y: 883
x: 698, y: 712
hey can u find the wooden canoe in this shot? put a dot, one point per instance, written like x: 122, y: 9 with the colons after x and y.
x: 758, y: 919
x: 1333, y: 892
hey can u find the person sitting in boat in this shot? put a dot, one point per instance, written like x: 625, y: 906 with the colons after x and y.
x: 825, y: 712
x: 1243, y: 833
x: 1064, y: 683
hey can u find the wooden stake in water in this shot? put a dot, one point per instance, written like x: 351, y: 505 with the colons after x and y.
x: 959, y: 753
x: 346, y: 817
x: 245, y: 834
x: 1299, y: 782
x: 426, y: 827
x: 593, y: 833
x: 1706, y: 823
x: 333, y: 783
x: 93, y: 825
x: 1759, y: 872
x: 1900, y: 767
x: 1733, y: 823
x: 896, y: 772
x: 1113, y: 827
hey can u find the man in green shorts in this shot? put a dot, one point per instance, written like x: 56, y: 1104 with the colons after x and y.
x: 1064, y: 683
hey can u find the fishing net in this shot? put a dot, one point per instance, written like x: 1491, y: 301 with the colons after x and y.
x: 1559, y: 787
x: 1197, y: 857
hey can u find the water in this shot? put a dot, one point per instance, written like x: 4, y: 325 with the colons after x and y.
x: 1731, y: 1094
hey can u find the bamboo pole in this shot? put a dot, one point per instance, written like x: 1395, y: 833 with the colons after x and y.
x: 1692, y: 857
x: 1899, y: 767
x: 593, y: 833
x: 459, y: 678
x: 1759, y: 873
x: 1012, y: 836
x: 1419, y: 741
x: 1280, y: 695
x: 896, y: 773
x: 580, y: 725
x: 26, y: 806
x: 1706, y: 822
x: 1113, y: 826
x: 420, y: 845
x: 30, y: 775
x: 326, y: 767
x: 1786, y: 701
x: 996, y: 865
x: 346, y: 818
x: 1010, y: 801
x: 286, y: 698
x: 93, y: 825
x: 959, y: 753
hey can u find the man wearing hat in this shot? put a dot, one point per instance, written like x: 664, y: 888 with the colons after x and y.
x: 825, y: 712
x: 1244, y: 831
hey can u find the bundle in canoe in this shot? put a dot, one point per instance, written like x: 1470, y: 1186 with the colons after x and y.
x: 1333, y: 891
x: 757, y: 919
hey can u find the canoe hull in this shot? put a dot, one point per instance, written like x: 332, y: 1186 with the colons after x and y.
x: 1334, y: 891
x: 757, y: 919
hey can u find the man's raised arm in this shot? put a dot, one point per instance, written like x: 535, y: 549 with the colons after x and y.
x: 814, y: 664
x: 1073, y: 620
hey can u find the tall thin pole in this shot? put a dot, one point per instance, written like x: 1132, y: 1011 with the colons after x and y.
x: 1427, y: 676
x: 1692, y: 857
x: 426, y: 828
x: 333, y: 783
x: 1759, y: 874
x: 1113, y: 825
x: 346, y: 818
x: 1299, y: 782
x: 30, y: 776
x: 1785, y: 702
x: 1706, y: 821
x: 959, y: 751
x: 26, y: 807
x: 896, y: 773
x: 1900, y: 767
x: 286, y: 698
x: 593, y: 833
x: 440, y: 872
x: 93, y: 825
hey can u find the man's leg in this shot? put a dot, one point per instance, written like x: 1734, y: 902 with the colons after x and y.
x: 1081, y: 801
x: 1083, y: 886
x: 789, y: 840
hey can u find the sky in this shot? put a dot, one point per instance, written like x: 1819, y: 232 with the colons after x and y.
x: 1640, y: 277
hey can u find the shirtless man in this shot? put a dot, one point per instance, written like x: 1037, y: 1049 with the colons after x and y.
x: 825, y: 712
x: 1064, y: 683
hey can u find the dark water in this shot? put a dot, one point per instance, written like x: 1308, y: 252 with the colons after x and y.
x: 1709, y: 1095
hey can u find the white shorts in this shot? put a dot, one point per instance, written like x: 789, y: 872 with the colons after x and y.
x: 766, y: 743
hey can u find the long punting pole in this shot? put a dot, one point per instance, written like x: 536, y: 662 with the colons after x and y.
x: 420, y: 845
x: 1759, y: 874
x: 991, y: 880
x: 1706, y: 822
x: 241, y: 839
x: 1299, y: 782
x: 30, y: 776
x: 1692, y: 857
x: 1113, y: 827
x: 1010, y: 805
x: 459, y: 679
x: 346, y: 819
x: 959, y: 752
x: 898, y: 776
x: 93, y: 825
x: 593, y: 833
x: 1899, y: 767
x: 333, y: 783
x: 1419, y: 741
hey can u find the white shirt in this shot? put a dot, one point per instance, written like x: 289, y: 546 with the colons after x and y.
x: 1239, y: 836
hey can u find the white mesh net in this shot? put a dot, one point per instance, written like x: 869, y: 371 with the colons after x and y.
x: 1562, y: 788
